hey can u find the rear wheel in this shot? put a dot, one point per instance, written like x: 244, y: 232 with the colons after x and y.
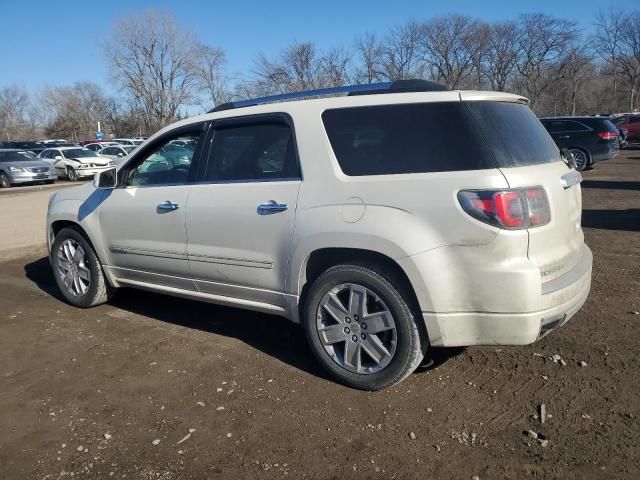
x: 72, y: 175
x: 77, y: 270
x: 581, y: 157
x: 361, y: 327
x: 4, y: 180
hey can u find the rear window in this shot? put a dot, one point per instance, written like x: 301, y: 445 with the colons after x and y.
x: 600, y: 124
x: 436, y: 137
x: 514, y: 133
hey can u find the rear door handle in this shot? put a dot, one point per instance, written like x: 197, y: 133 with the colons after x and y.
x: 271, y: 207
x: 564, y: 136
x: 167, y: 206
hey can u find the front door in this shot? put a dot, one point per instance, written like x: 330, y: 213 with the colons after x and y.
x: 143, y: 220
x: 241, y: 213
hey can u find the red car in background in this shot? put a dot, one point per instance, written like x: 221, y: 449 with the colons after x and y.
x: 629, y: 122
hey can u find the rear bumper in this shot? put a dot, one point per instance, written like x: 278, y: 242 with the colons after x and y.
x: 566, y: 295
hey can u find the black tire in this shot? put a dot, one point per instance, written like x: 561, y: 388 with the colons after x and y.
x: 99, y: 291
x: 582, y: 158
x: 4, y: 180
x: 411, y: 343
x: 72, y: 175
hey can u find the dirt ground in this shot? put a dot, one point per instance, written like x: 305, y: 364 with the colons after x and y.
x: 151, y: 387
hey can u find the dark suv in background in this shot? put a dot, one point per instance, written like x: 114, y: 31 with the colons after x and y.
x: 589, y: 139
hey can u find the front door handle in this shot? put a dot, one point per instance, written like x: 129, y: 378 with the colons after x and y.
x: 271, y: 207
x: 563, y: 137
x: 167, y: 206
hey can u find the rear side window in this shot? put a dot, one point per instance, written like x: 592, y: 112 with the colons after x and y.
x: 406, y: 138
x: 245, y: 152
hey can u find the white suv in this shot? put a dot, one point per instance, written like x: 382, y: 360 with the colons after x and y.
x: 394, y: 218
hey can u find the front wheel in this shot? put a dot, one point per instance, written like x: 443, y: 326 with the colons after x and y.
x: 72, y: 175
x: 362, y: 328
x: 77, y: 270
x: 4, y: 180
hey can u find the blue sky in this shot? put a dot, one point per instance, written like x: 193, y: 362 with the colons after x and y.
x: 55, y: 42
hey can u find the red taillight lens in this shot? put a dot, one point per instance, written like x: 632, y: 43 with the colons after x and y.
x: 510, y: 209
x: 607, y: 135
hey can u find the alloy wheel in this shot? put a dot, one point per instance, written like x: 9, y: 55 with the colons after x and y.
x: 73, y: 269
x: 356, y: 328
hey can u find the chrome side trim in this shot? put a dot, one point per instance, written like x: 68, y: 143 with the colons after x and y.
x: 147, y: 253
x: 240, y: 262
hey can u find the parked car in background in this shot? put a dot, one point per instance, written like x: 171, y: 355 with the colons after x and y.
x: 629, y: 122
x: 589, y: 139
x: 97, y: 146
x: 128, y: 141
x: 117, y: 153
x: 28, y: 145
x: 58, y: 141
x: 419, y: 222
x: 75, y: 162
x: 19, y: 167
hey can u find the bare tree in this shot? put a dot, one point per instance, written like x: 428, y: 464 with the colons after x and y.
x: 607, y: 45
x: 629, y: 55
x: 501, y: 55
x: 17, y: 119
x: 577, y: 69
x: 542, y: 42
x: 335, y: 68
x: 401, y: 53
x: 294, y: 70
x: 74, y: 111
x: 152, y: 59
x: 453, y: 45
x: 369, y: 52
x: 211, y: 77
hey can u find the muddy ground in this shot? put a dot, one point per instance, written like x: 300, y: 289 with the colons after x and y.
x: 114, y: 392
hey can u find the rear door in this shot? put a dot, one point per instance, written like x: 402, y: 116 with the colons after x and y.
x: 242, y: 211
x: 527, y: 156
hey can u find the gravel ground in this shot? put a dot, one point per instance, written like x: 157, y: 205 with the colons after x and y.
x: 151, y: 387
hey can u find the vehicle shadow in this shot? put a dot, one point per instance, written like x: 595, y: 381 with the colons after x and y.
x: 272, y: 335
x: 628, y: 219
x: 611, y: 184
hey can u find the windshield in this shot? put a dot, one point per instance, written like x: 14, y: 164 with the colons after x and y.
x: 16, y: 157
x: 79, y: 153
x: 129, y: 149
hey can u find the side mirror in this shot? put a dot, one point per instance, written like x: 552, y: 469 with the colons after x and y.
x: 58, y: 157
x: 121, y: 154
x: 568, y: 158
x: 105, y: 180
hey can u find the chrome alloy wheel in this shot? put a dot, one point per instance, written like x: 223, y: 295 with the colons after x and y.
x: 356, y: 329
x: 73, y: 269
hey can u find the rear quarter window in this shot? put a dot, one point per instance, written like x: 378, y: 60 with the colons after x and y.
x: 405, y: 138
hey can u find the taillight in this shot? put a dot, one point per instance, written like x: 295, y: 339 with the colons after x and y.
x: 608, y: 135
x: 511, y: 209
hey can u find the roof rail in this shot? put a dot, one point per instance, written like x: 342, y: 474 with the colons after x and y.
x: 397, y: 86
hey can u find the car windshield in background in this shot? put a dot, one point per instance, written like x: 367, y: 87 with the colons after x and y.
x: 427, y: 137
x: 16, y: 157
x: 79, y: 153
x: 129, y: 149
